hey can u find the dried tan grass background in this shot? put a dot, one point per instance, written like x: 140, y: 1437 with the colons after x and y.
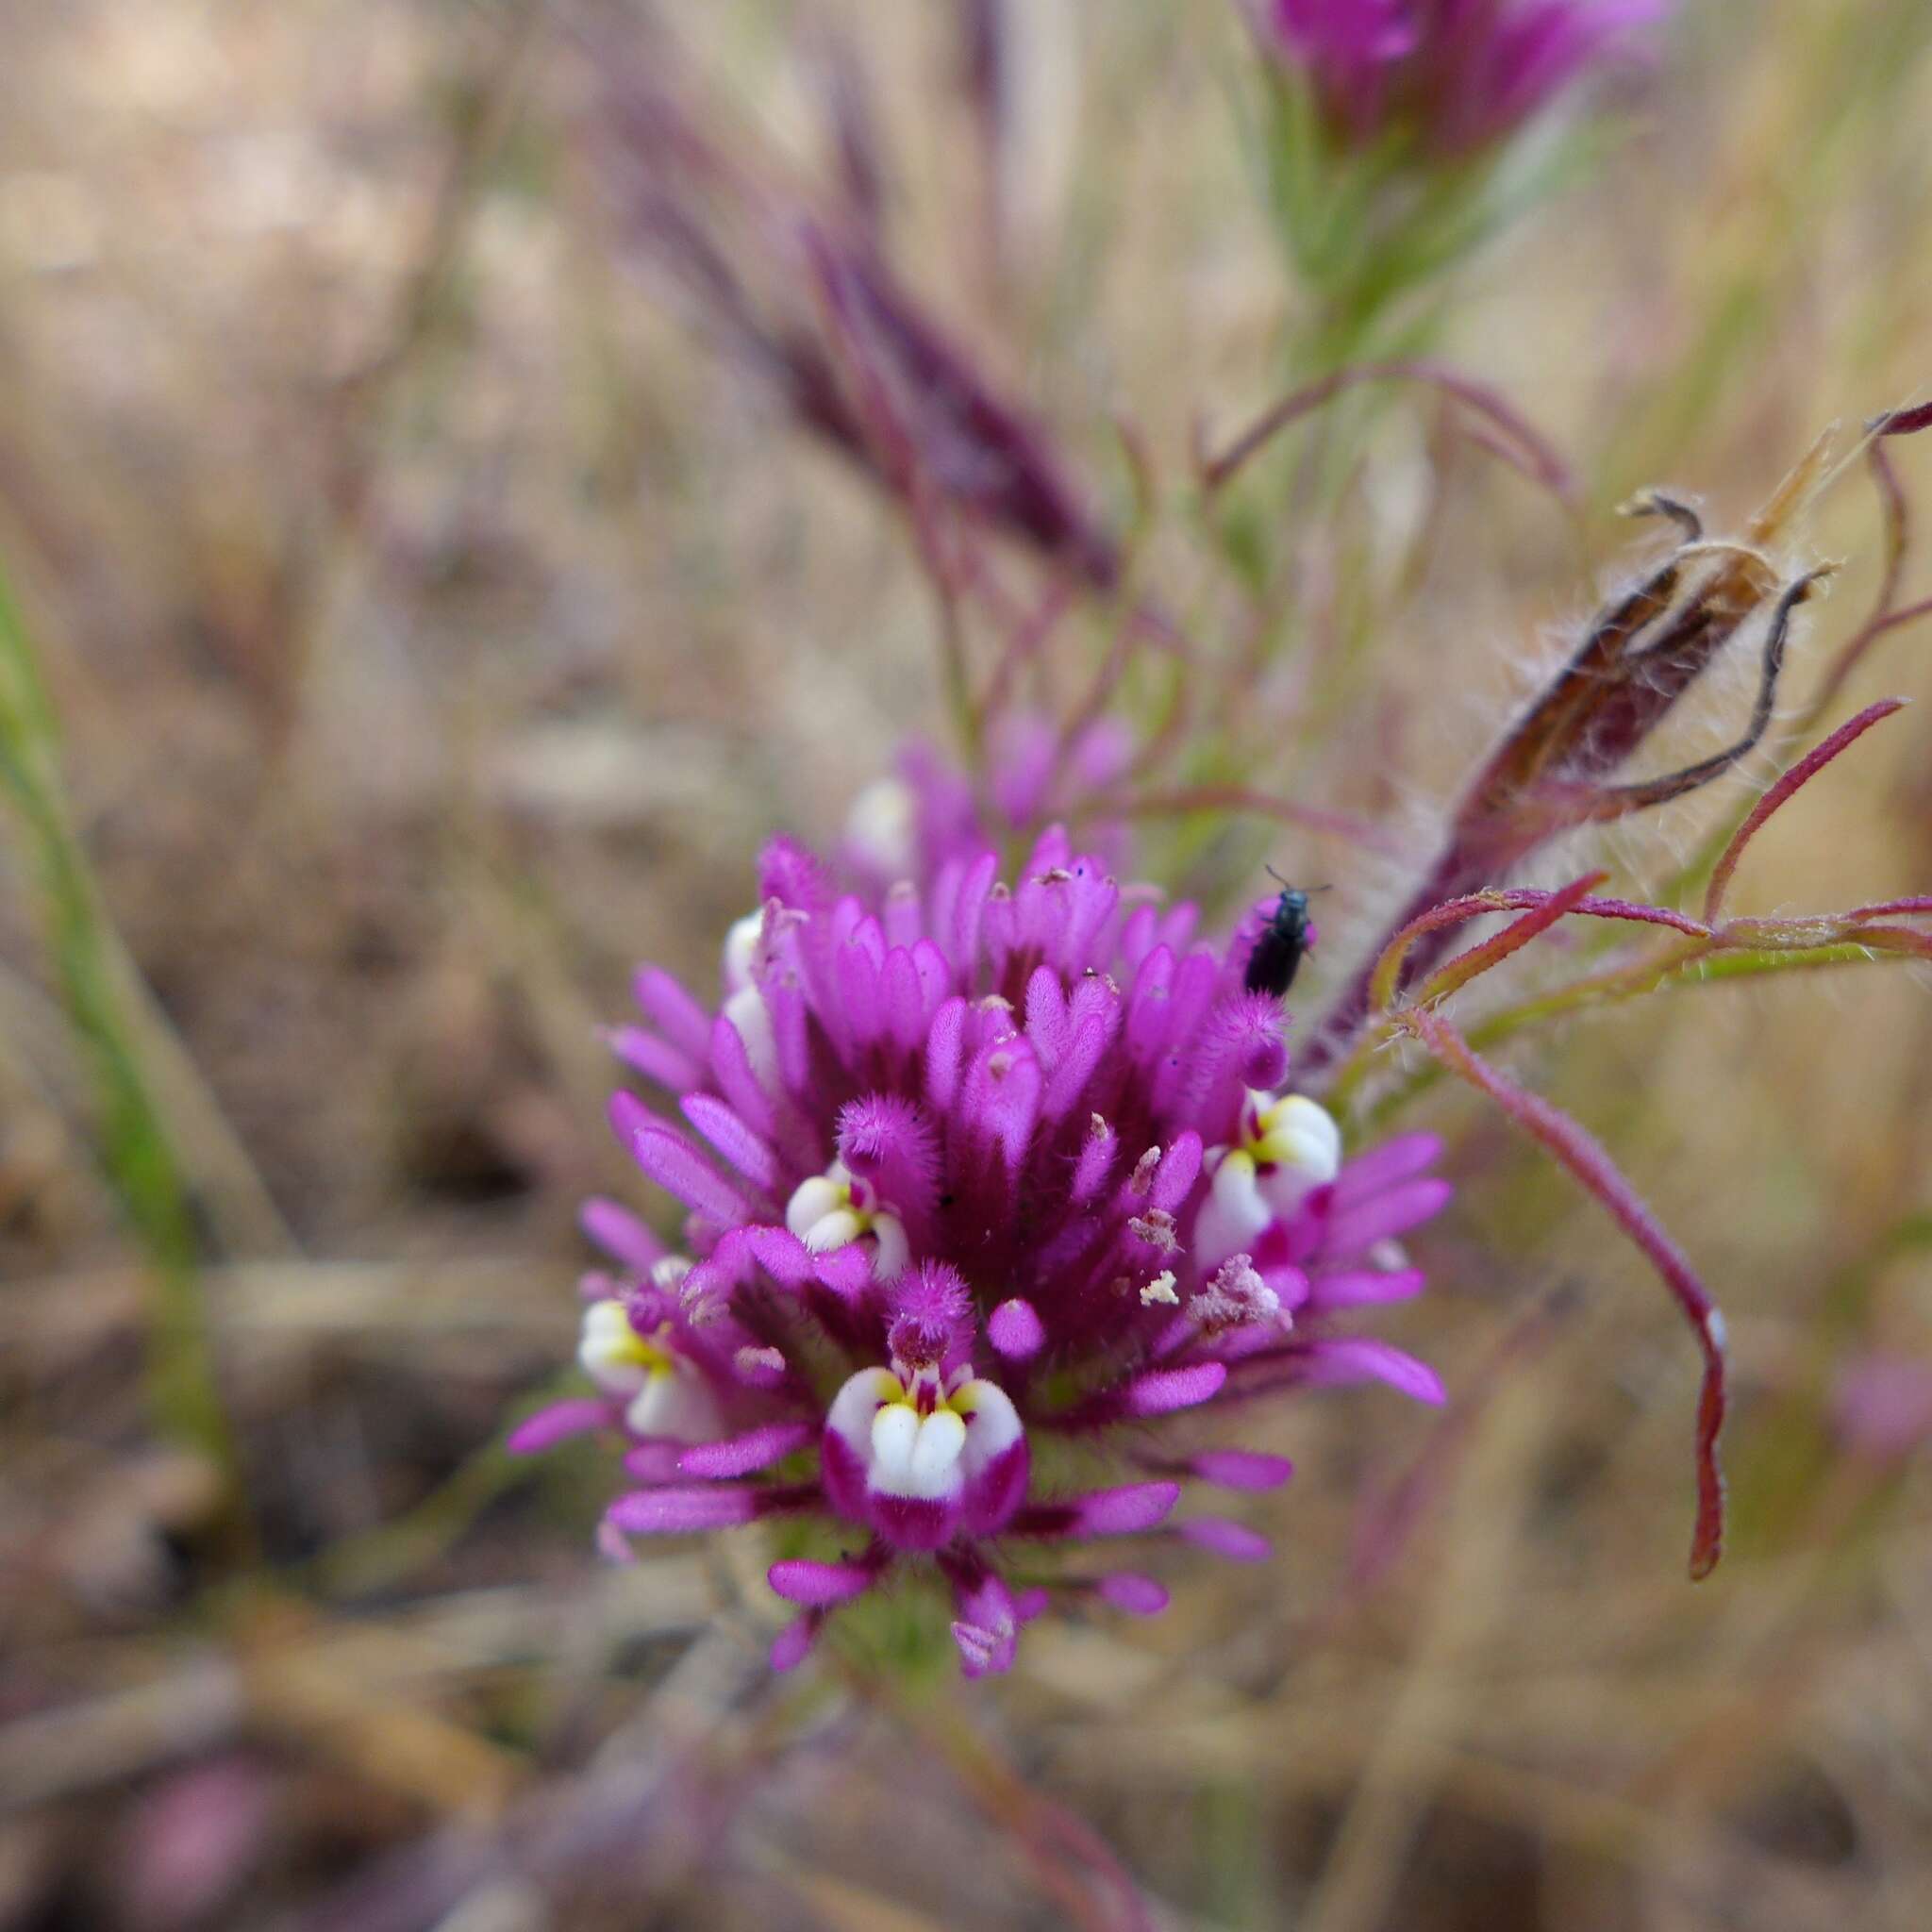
x: 436, y: 628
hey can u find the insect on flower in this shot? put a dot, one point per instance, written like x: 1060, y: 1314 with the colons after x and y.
x: 1285, y: 941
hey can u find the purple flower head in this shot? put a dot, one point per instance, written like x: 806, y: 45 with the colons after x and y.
x: 1459, y: 74
x: 975, y: 1174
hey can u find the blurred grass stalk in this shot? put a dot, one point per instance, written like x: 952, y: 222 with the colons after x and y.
x: 93, y: 977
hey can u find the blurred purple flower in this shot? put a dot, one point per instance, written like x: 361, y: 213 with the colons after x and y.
x: 989, y: 1173
x: 1462, y: 75
x: 928, y: 813
x: 1882, y: 1406
x: 190, y: 1842
x: 799, y: 293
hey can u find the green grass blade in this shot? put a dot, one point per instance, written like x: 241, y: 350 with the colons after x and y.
x: 132, y: 1144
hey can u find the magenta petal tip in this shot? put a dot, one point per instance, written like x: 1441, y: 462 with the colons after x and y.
x: 817, y: 1584
x: 1168, y: 1390
x: 556, y: 1422
x: 1015, y: 1330
x: 1139, y: 1596
x: 1234, y: 1541
x: 1124, y: 1512
x: 1242, y: 1469
x: 792, y: 1645
x: 677, y: 1512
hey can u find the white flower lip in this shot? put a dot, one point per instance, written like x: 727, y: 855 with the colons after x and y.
x: 881, y: 823
x: 995, y: 1423
x: 824, y: 1214
x: 1290, y: 1146
x: 662, y: 1393
x: 612, y: 1353
x: 740, y: 949
x: 930, y: 1456
x: 674, y: 1404
x: 1299, y: 1135
x: 917, y: 1456
x: 751, y: 1019
x: 817, y: 1200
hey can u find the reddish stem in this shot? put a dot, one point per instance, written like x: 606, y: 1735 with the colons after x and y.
x: 1576, y: 1149
x: 1522, y: 445
x: 1490, y: 952
x: 1787, y: 788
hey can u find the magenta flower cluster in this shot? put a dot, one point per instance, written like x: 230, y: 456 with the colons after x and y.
x: 985, y: 1186
x: 1461, y: 74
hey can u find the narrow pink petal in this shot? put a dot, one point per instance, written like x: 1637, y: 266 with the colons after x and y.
x: 904, y: 999
x: 1124, y: 1512
x: 672, y: 1162
x: 676, y: 1015
x: 620, y: 1234
x: 792, y: 1645
x: 556, y: 1422
x: 1242, y: 1469
x: 969, y: 909
x: 1168, y: 1390
x: 816, y: 1585
x: 1075, y: 1068
x: 1234, y: 1541
x: 1364, y: 1287
x: 673, y: 1512
x: 745, y: 1150
x: 653, y: 1460
x: 986, y: 1629
x: 861, y: 1004
x: 1342, y: 1360
x: 1046, y: 1021
x: 1381, y: 1167
x: 1139, y: 1596
x: 1180, y: 1167
x: 945, y: 1042
x: 657, y: 1059
x: 738, y: 1079
x: 744, y: 1455
x: 1095, y: 1163
x: 1394, y: 1211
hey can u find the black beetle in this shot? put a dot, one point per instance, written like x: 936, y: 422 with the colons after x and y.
x: 1285, y: 941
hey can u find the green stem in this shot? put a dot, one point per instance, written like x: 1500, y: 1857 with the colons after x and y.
x: 134, y: 1149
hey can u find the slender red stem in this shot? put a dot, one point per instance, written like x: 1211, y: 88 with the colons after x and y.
x: 1787, y: 788
x: 1576, y: 1149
